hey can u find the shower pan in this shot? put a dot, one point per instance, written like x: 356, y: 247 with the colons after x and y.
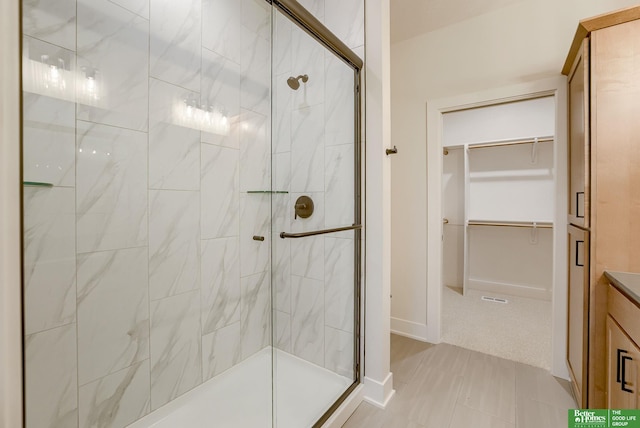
x: 192, y: 214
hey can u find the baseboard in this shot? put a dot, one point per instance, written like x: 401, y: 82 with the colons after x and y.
x: 379, y: 393
x: 409, y: 329
x: 509, y: 289
x: 346, y: 409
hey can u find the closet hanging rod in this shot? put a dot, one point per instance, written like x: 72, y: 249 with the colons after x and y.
x: 529, y: 224
x: 511, y: 142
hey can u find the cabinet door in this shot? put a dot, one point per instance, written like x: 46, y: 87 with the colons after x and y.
x: 579, y: 139
x: 578, y: 311
x: 622, y: 368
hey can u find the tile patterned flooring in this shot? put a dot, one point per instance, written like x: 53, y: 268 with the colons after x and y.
x: 444, y: 386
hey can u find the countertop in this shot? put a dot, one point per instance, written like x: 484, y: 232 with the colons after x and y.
x: 627, y: 282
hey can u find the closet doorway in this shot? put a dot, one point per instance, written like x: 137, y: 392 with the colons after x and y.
x: 498, y: 215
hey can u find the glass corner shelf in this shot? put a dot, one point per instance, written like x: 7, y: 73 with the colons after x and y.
x: 36, y: 184
x: 269, y: 192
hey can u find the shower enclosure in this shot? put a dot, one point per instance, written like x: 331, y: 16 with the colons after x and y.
x: 192, y: 224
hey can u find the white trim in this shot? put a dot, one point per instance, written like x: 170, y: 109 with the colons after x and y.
x: 10, y: 227
x: 409, y: 329
x: 346, y: 409
x: 435, y: 108
x: 379, y: 394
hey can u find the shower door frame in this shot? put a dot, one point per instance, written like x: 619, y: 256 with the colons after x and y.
x: 310, y: 24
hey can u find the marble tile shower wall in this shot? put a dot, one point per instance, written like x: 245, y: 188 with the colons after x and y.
x: 151, y: 118
x: 313, y: 154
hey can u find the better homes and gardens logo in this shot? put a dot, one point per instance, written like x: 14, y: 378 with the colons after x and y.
x: 589, y: 418
x: 603, y: 418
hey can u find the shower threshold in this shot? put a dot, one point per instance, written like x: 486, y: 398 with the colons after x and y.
x: 241, y: 396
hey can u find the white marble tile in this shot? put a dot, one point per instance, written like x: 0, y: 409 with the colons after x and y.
x: 281, y: 253
x: 307, y: 58
x: 113, y: 46
x: 139, y: 7
x: 111, y: 188
x: 281, y: 171
x: 339, y: 283
x: 221, y: 95
x: 49, y: 70
x: 282, y: 214
x: 256, y: 16
x: 307, y: 257
x: 174, y: 242
x: 53, y: 21
x: 220, y: 350
x: 339, y: 107
x: 282, y: 43
x: 282, y: 99
x: 345, y: 19
x: 221, y: 27
x: 220, y: 283
x: 339, y: 194
x: 307, y: 319
x: 175, y: 32
x: 174, y: 148
x: 282, y: 330
x: 359, y: 51
x: 255, y: 64
x: 49, y: 258
x: 255, y: 314
x: 339, y: 352
x: 255, y: 220
x: 176, y: 356
x: 116, y: 400
x: 282, y: 286
x: 316, y: 7
x: 219, y: 192
x: 51, y: 385
x: 49, y: 140
x: 316, y: 220
x: 255, y: 152
x: 113, y: 312
x: 307, y: 150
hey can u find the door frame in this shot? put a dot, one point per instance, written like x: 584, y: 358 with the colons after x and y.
x: 556, y: 87
x: 11, y: 342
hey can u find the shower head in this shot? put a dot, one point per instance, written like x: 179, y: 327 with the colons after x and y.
x: 294, y: 82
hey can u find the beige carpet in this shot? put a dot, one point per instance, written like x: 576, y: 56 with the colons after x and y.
x: 519, y: 330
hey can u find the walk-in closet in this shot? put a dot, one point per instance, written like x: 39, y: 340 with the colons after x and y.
x: 498, y: 241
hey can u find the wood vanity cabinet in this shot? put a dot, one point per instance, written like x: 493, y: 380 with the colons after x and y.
x: 603, y: 70
x: 623, y: 353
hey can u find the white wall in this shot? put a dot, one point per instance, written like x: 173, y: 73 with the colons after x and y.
x: 378, y: 380
x: 524, y: 42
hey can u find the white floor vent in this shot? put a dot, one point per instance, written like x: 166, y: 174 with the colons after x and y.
x: 494, y: 299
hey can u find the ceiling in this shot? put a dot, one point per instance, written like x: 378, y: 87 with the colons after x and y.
x: 411, y: 18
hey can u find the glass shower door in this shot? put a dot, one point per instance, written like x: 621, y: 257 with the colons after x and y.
x: 315, y: 268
